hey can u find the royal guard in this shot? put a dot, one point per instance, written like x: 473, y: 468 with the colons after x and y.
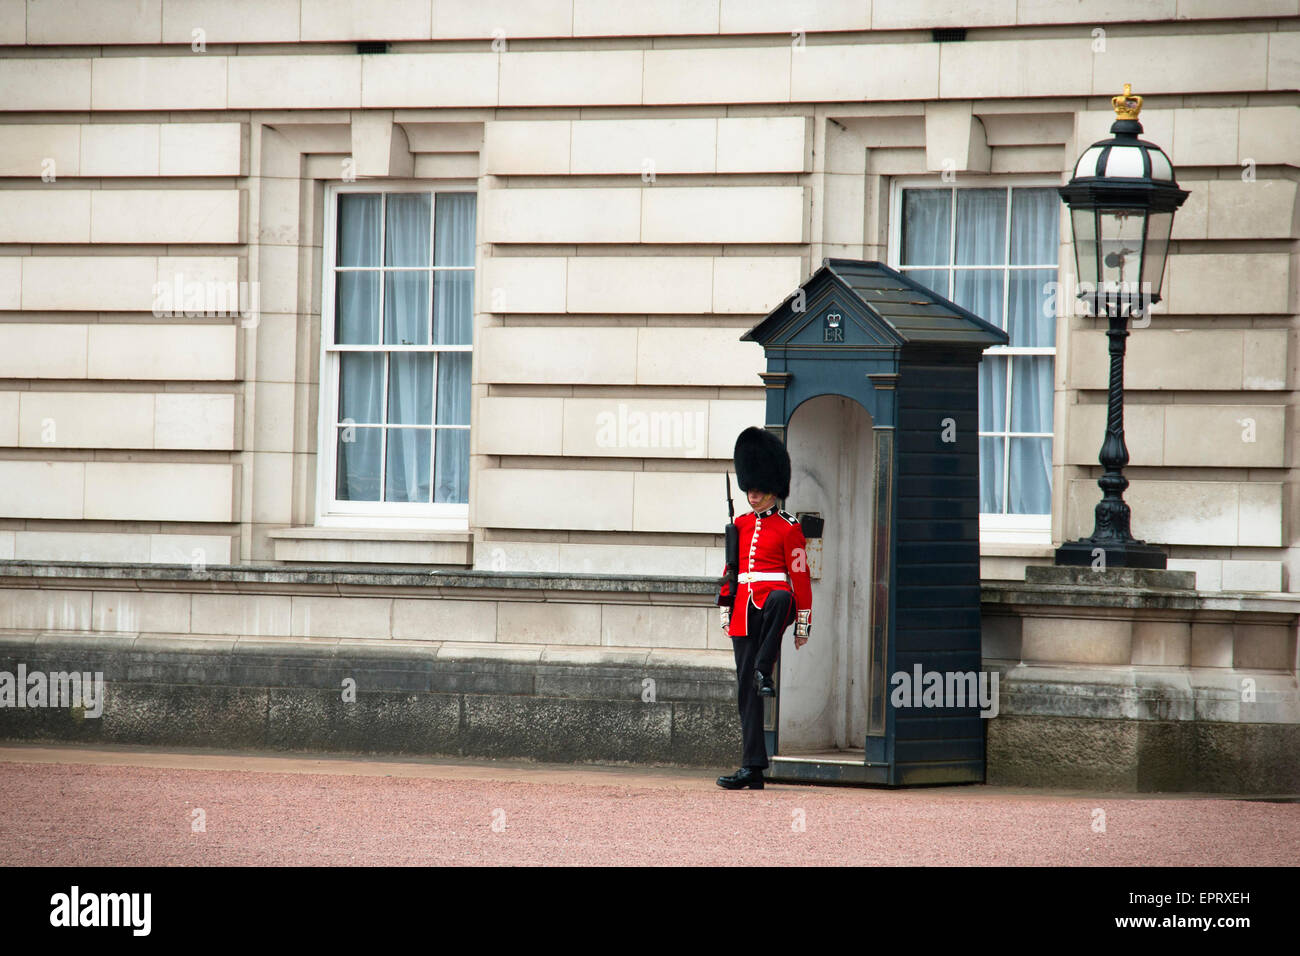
x: 765, y: 588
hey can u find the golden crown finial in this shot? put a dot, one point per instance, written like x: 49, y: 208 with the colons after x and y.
x: 1127, y: 104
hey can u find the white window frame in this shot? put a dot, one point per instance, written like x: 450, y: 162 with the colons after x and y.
x: 330, y: 511
x: 994, y: 528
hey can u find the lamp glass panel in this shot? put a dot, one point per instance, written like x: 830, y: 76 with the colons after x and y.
x: 1159, y: 225
x: 1160, y: 167
x: 1125, y: 162
x: 1087, y: 164
x: 1120, y: 248
x: 1084, y: 224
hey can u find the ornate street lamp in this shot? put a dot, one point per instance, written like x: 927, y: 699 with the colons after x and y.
x: 1122, y: 200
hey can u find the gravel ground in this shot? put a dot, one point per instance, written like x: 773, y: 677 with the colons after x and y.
x: 134, y: 806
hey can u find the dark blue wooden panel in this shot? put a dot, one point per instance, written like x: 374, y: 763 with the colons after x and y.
x: 960, y: 462
x: 940, y: 596
x: 923, y: 552
x: 930, y: 573
x: 913, y: 529
x: 936, y: 639
x: 907, y: 751
x: 940, y: 658
x: 925, y: 617
x: 966, y: 506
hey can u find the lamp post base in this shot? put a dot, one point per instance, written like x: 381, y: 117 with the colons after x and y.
x: 1087, y: 552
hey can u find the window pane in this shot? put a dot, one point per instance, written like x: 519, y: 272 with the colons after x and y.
x: 1031, y: 476
x: 453, y: 301
x: 454, y: 230
x: 936, y: 280
x: 991, y: 466
x: 451, y: 465
x: 980, y: 290
x: 410, y: 389
x: 1031, y: 394
x: 407, y: 475
x: 1035, y: 226
x: 981, y: 227
x: 406, y: 308
x: 993, y: 393
x: 927, y: 217
x: 356, y: 309
x: 358, y: 463
x: 453, y: 388
x: 406, y: 225
x: 361, y: 383
x: 358, y: 229
x: 1033, y: 302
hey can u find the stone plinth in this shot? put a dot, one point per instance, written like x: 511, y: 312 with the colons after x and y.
x: 1129, y: 679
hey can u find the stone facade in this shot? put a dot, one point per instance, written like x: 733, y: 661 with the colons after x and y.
x: 650, y: 180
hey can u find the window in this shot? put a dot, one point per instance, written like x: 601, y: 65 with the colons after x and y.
x: 994, y: 251
x: 397, y: 335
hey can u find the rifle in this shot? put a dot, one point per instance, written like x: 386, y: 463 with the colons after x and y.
x: 732, y: 534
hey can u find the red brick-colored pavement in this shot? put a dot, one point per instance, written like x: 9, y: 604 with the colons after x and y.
x: 135, y: 806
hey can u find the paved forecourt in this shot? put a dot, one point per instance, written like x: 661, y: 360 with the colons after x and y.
x: 140, y: 806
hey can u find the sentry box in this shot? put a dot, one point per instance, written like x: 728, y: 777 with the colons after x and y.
x: 872, y: 380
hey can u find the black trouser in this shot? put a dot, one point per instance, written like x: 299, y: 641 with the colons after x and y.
x: 758, y: 651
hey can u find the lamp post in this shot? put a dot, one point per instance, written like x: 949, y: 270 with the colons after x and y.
x: 1122, y: 200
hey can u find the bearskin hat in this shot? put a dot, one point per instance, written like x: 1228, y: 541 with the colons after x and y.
x: 762, y: 463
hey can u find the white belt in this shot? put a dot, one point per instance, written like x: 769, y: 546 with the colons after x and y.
x: 749, y: 577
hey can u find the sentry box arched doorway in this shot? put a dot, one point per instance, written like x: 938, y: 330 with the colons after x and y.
x: 872, y: 381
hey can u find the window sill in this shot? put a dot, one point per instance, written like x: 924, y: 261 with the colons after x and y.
x: 1016, y: 549
x: 374, y: 546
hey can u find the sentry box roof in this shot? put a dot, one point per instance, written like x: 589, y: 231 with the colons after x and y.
x: 881, y: 308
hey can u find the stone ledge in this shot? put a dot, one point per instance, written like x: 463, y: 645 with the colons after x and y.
x: 1099, y: 595
x: 217, y: 650
x: 1148, y: 693
x: 256, y: 578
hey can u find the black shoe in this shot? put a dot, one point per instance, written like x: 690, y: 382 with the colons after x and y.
x: 742, y: 778
x: 763, y: 685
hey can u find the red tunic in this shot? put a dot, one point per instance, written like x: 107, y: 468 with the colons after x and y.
x: 770, y: 541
